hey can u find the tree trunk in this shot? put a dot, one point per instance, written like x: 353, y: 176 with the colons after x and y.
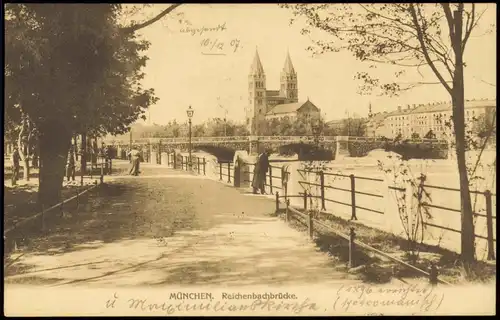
x: 54, y: 147
x: 75, y: 146
x: 24, y: 158
x: 467, y: 218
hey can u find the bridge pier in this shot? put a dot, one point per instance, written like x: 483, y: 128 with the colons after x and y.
x: 341, y: 147
x: 164, y: 158
x: 153, y: 159
x: 243, y: 167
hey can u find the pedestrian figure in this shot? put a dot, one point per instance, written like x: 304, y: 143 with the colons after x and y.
x: 103, y: 154
x: 94, y: 153
x: 238, y: 164
x: 259, y: 173
x: 135, y: 161
x: 15, y: 165
x: 70, y: 165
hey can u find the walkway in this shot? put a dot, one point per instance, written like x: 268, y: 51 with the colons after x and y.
x: 168, y: 228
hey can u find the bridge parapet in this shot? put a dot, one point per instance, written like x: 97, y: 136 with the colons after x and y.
x: 227, y: 145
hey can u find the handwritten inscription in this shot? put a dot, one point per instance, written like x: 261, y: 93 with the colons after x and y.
x: 202, y: 30
x: 414, y: 297
x: 353, y: 299
x: 219, y: 47
x: 172, y: 307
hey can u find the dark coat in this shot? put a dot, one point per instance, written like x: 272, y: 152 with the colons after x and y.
x: 260, y: 171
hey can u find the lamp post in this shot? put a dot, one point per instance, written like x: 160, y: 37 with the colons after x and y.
x: 190, y: 113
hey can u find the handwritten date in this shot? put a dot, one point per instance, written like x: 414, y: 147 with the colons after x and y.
x: 219, y: 47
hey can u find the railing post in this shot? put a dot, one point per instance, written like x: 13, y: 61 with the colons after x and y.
x: 204, y: 167
x: 353, y: 197
x: 15, y: 248
x: 305, y: 200
x: 310, y: 224
x: 489, y: 225
x: 220, y: 171
x: 271, y: 179
x: 287, y: 213
x: 62, y: 209
x: 277, y: 201
x: 182, y: 162
x: 43, y: 217
x: 81, y: 179
x: 158, y: 154
x: 433, y: 274
x: 102, y: 172
x: 322, y: 182
x: 77, y: 198
x: 229, y: 172
x: 310, y: 200
x: 198, y: 166
x: 352, y: 247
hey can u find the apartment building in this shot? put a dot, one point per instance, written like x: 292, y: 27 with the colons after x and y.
x: 422, y: 118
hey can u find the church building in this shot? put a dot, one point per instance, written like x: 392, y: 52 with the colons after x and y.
x: 268, y: 104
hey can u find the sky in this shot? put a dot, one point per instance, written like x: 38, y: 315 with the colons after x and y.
x: 182, y: 73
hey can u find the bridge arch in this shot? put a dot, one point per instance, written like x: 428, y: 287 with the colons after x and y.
x: 222, y: 153
x: 306, y: 151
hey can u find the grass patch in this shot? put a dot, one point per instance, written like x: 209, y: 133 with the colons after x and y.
x: 375, y: 269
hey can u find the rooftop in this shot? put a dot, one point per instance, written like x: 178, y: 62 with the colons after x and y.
x: 287, y: 107
x: 256, y: 67
x: 441, y: 106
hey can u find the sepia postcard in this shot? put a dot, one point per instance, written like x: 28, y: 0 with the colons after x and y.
x: 249, y: 159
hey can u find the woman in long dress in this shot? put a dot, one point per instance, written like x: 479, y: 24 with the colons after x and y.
x: 134, y: 160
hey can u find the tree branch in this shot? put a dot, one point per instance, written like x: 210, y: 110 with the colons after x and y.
x: 424, y: 49
x: 139, y: 26
x: 449, y: 18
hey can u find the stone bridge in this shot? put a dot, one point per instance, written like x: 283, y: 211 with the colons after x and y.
x: 224, y: 148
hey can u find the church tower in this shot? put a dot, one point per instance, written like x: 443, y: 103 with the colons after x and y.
x: 289, y: 86
x: 257, y: 110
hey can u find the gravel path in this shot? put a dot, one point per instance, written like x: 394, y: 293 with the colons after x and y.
x: 169, y: 228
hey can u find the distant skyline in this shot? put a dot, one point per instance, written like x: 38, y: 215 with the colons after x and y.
x: 182, y: 73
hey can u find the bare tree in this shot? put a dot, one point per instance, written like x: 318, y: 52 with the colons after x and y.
x: 406, y: 35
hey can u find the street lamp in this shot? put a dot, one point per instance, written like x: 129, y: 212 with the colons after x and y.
x: 190, y: 113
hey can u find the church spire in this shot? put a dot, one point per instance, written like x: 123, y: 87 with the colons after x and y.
x: 256, y: 68
x: 288, y: 68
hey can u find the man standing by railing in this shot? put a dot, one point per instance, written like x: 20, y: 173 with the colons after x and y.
x: 259, y: 173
